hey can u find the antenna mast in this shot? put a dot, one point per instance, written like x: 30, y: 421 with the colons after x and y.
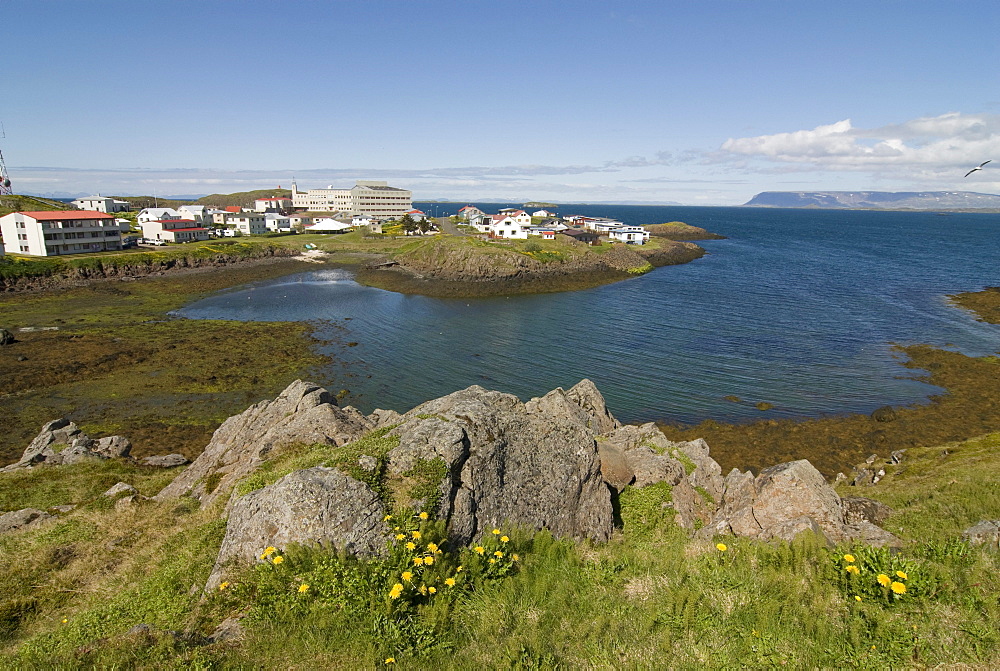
x: 5, y: 189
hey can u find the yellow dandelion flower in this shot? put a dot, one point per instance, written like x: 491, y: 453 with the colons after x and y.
x: 459, y: 569
x: 883, y: 580
x: 479, y: 549
x: 303, y: 588
x: 849, y: 558
x: 268, y: 552
x: 898, y: 588
x: 407, y: 576
x: 498, y: 554
x: 416, y: 535
x: 65, y: 620
x: 432, y: 547
x: 277, y: 560
x: 396, y: 590
x: 428, y: 561
x: 721, y: 547
x: 853, y: 569
x: 902, y: 575
x: 395, y: 528
x: 492, y: 560
x: 450, y: 582
x: 387, y: 518
x: 223, y: 585
x: 423, y: 589
x: 418, y: 561
x: 390, y: 660
x: 411, y: 546
x: 515, y: 557
x: 432, y: 590
x: 496, y: 532
x: 857, y: 598
x: 400, y: 537
x: 504, y: 539
x: 423, y: 516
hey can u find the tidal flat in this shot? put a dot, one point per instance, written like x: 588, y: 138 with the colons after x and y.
x: 108, y: 356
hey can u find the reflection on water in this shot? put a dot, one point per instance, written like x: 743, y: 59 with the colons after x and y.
x: 796, y: 308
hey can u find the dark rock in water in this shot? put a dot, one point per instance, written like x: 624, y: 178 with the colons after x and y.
x: 22, y: 519
x: 166, y: 460
x: 763, y: 405
x: 315, y: 505
x: 885, y: 414
x: 986, y: 532
x: 6, y: 337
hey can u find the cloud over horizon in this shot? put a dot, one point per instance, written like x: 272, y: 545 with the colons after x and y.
x: 935, y: 145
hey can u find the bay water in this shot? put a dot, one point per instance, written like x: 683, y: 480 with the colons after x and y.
x: 797, y: 308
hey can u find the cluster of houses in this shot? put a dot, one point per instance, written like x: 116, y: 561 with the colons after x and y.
x: 515, y: 224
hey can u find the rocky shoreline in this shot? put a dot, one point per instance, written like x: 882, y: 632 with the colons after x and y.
x: 468, y: 272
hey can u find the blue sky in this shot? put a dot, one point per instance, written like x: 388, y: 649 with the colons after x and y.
x: 701, y: 102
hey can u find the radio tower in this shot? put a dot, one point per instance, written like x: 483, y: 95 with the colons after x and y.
x: 5, y: 189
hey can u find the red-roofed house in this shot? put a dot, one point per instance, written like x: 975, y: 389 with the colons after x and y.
x: 235, y: 209
x: 59, y: 232
x: 174, y: 230
x: 469, y: 212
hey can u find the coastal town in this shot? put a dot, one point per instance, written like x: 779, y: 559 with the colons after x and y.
x: 106, y: 224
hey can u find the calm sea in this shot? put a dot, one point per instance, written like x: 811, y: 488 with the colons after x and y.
x: 798, y: 308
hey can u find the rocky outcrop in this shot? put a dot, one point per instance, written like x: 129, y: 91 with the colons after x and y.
x: 304, y: 413
x: 315, y: 505
x: 986, y: 532
x: 789, y: 498
x: 531, y: 464
x: 6, y: 337
x: 62, y: 442
x: 22, y: 519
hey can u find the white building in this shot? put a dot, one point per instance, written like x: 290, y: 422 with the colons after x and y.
x: 157, y: 214
x: 102, y: 204
x: 272, y: 204
x: 198, y: 213
x: 248, y: 223
x: 59, y: 232
x: 543, y: 213
x: 470, y: 212
x: 174, y: 230
x: 633, y: 235
x: 508, y: 228
x: 277, y: 223
x: 366, y: 197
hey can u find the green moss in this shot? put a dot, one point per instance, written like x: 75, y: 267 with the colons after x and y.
x: 686, y: 462
x: 421, y: 485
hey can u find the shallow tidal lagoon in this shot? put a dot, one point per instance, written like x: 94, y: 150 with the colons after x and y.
x: 796, y: 308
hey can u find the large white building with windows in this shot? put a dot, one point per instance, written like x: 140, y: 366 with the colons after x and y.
x: 59, y: 232
x: 372, y: 198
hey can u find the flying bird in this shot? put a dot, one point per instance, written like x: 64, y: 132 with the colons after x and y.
x: 979, y: 167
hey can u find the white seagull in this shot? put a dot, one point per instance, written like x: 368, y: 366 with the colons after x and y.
x: 978, y: 167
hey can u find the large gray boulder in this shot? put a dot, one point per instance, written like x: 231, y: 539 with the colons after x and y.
x: 312, y: 506
x: 531, y: 464
x: 304, y: 413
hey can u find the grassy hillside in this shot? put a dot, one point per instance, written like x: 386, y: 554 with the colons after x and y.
x: 242, y: 198
x: 17, y: 203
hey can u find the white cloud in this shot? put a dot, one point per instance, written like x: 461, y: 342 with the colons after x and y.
x: 938, y: 145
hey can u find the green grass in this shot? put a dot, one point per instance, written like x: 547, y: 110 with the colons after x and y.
x: 651, y: 597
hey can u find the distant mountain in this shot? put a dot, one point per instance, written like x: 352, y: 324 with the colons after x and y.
x: 878, y: 200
